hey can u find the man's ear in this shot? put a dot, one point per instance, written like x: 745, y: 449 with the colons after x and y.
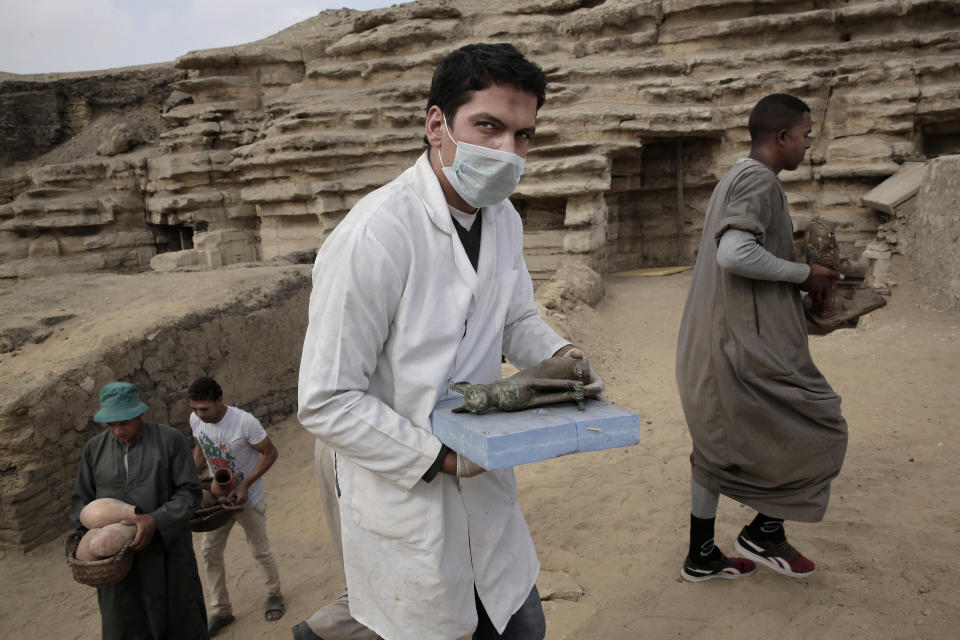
x: 434, y: 126
x: 781, y: 137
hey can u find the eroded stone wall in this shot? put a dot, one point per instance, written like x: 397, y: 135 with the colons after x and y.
x: 934, y: 229
x: 268, y: 145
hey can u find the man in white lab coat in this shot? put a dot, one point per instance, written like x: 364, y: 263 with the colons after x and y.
x: 424, y: 283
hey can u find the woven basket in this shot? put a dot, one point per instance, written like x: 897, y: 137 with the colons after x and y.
x: 211, y: 518
x: 98, y: 573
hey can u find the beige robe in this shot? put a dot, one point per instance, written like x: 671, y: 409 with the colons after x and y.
x: 767, y: 429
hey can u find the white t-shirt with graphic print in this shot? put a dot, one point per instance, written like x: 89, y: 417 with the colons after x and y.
x: 226, y: 444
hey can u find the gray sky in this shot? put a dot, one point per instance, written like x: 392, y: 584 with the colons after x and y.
x: 46, y: 36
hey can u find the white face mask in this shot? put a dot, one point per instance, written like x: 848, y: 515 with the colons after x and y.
x: 480, y: 175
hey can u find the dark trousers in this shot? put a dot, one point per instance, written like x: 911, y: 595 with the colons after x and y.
x: 527, y: 623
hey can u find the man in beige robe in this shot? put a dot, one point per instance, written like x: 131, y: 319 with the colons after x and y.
x: 766, y: 427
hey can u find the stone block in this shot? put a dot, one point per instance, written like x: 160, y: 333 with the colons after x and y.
x: 550, y: 239
x: 583, y: 210
x: 558, y: 585
x: 223, y: 247
x: 497, y: 439
x: 174, y: 259
x: 859, y: 149
x: 45, y: 247
x: 856, y: 170
x: 584, y: 241
x: 210, y: 259
x: 897, y: 189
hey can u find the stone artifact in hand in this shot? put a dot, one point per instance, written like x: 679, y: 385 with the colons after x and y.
x: 557, y: 379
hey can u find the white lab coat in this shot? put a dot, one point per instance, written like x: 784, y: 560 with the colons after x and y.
x: 397, y: 313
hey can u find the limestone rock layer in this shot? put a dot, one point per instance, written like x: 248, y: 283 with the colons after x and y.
x: 262, y: 148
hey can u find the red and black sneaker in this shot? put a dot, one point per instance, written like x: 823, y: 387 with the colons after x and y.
x: 722, y: 567
x: 778, y: 556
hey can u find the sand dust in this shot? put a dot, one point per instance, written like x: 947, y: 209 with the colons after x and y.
x: 615, y: 522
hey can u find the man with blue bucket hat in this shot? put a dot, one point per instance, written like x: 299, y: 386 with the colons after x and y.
x: 150, y: 466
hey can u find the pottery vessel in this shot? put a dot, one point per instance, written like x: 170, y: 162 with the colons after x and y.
x: 223, y: 483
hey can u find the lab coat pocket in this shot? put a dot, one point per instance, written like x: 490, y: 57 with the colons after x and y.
x: 381, y: 507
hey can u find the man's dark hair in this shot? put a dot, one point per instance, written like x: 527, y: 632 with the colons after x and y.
x: 773, y: 113
x: 205, y: 390
x: 476, y: 67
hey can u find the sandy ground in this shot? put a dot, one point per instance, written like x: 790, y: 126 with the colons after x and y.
x: 615, y: 522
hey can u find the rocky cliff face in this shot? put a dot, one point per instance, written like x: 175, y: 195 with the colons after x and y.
x: 72, y: 169
x: 264, y: 147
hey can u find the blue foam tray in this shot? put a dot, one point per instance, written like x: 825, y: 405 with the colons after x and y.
x: 498, y: 439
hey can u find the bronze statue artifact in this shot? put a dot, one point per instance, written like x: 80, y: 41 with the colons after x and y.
x: 818, y: 244
x: 554, y: 380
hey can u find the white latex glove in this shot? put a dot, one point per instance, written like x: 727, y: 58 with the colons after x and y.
x: 467, y: 468
x: 594, y: 381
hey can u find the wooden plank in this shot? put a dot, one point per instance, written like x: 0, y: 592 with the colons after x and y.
x: 498, y: 439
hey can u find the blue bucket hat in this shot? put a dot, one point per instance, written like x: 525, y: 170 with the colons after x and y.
x: 119, y: 402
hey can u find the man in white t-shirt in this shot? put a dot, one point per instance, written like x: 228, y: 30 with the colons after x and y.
x: 231, y: 438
